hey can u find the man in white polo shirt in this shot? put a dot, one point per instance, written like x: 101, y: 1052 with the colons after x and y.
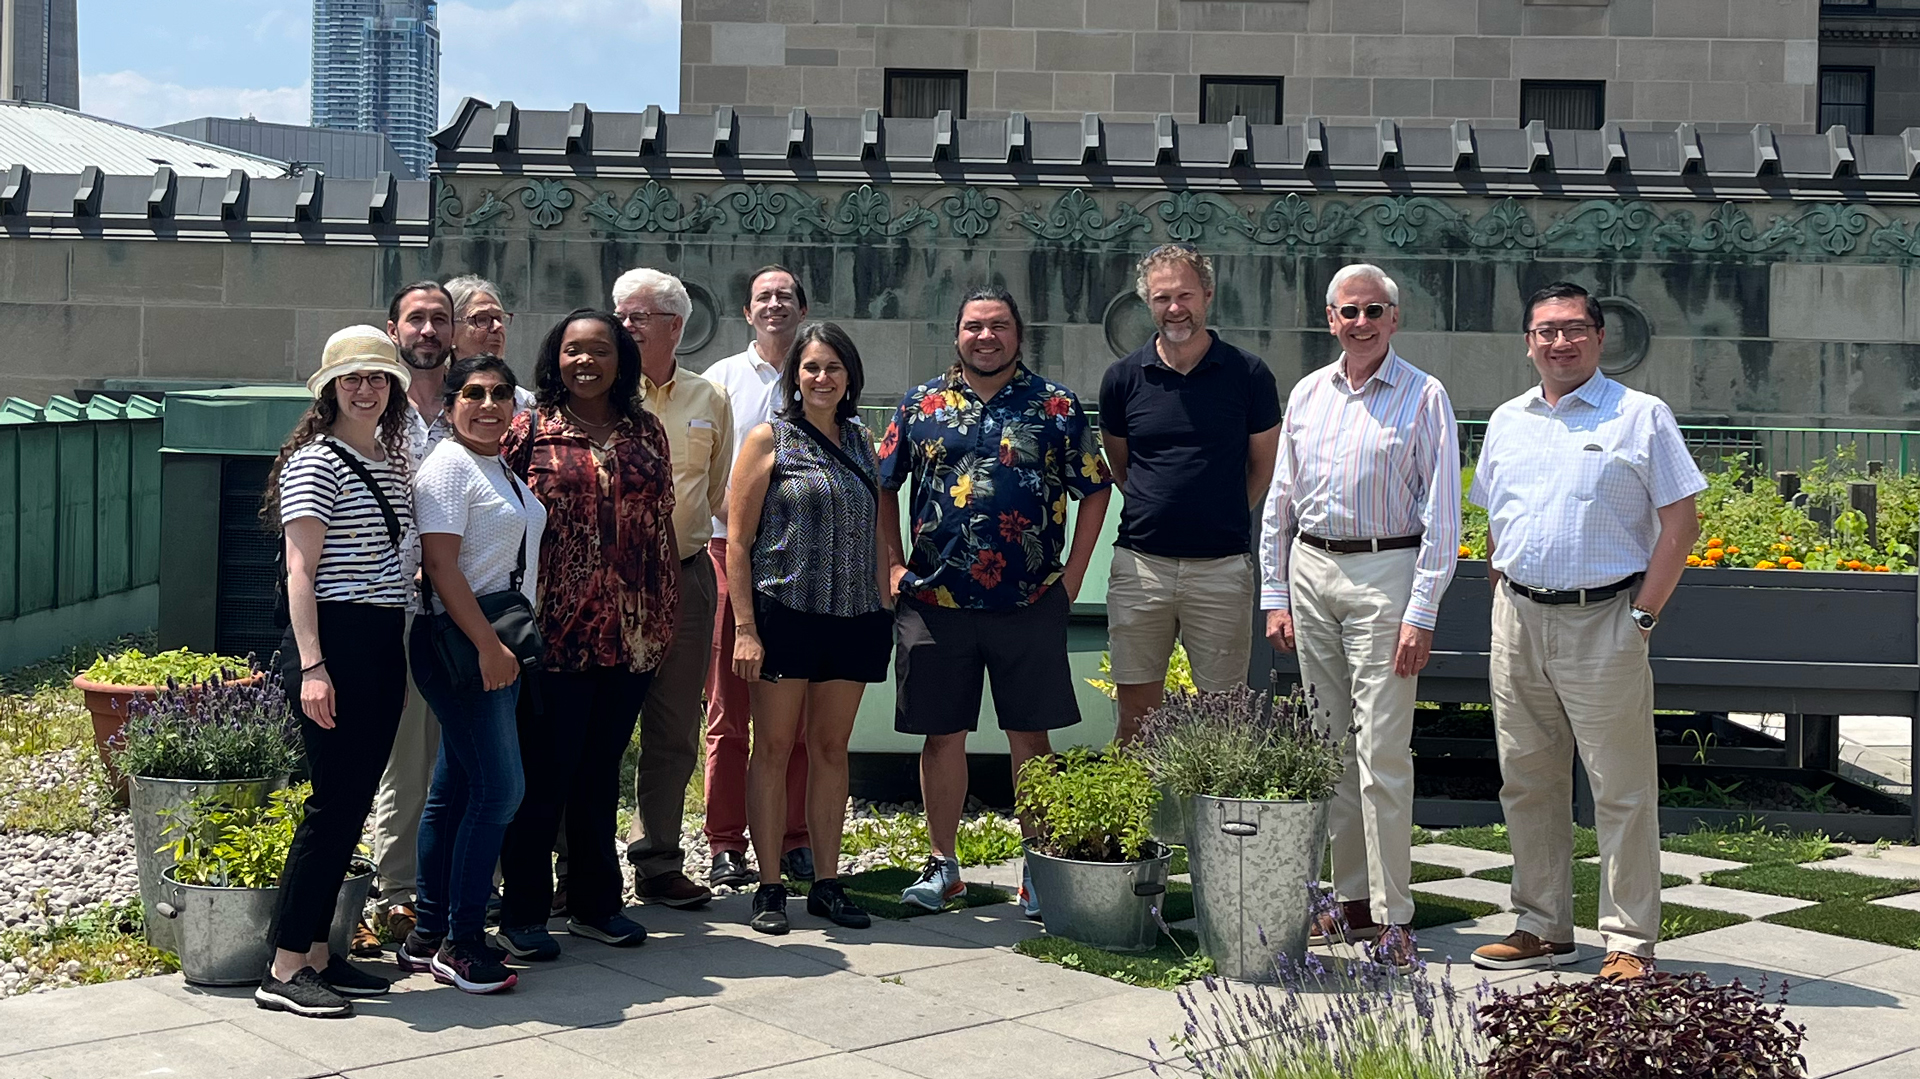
x: 776, y: 305
x: 1589, y: 495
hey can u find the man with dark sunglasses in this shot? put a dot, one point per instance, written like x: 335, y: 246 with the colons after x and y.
x: 1361, y: 533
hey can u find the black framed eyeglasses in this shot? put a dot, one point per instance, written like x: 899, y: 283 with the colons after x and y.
x: 641, y: 318
x: 1572, y: 335
x: 501, y: 319
x: 499, y: 393
x: 374, y: 379
x: 1373, y: 311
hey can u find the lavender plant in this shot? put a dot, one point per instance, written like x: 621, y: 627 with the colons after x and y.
x: 1241, y: 743
x: 212, y: 730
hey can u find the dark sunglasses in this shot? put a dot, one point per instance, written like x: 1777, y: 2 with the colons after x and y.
x: 499, y: 393
x: 1351, y: 311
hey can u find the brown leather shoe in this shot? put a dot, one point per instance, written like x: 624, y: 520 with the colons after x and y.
x: 366, y: 942
x: 401, y: 920
x: 672, y: 889
x: 1625, y: 966
x: 1396, y: 949
x: 1352, y: 922
x: 1520, y: 949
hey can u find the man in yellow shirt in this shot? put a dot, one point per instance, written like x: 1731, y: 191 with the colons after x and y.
x: 654, y: 308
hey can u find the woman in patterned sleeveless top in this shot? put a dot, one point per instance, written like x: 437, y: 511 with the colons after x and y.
x: 803, y: 529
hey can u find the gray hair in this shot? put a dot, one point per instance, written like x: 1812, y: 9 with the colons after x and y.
x: 1172, y: 255
x: 662, y: 288
x: 466, y: 288
x: 1364, y: 271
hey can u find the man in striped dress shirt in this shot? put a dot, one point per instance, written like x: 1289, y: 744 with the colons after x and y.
x: 1368, y: 476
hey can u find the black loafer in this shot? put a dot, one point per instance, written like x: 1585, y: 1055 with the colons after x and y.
x: 729, y: 870
x: 827, y: 899
x: 770, y: 909
x: 797, y: 864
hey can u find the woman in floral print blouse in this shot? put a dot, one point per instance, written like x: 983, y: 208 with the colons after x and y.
x: 609, y: 594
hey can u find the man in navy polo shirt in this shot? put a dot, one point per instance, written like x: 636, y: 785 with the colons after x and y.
x: 1191, y: 425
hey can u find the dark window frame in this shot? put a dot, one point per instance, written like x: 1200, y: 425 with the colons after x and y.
x: 1277, y: 82
x: 1820, y: 106
x: 887, y: 76
x: 1597, y: 86
x: 1841, y: 7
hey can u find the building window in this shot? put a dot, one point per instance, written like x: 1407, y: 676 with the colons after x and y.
x: 1846, y: 98
x: 1569, y: 106
x: 918, y: 95
x: 1222, y: 99
x: 1846, y: 7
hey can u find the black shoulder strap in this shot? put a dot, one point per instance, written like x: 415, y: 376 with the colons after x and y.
x: 840, y: 454
x: 379, y: 496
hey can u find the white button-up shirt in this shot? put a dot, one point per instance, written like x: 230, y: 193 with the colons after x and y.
x: 1572, y: 490
x: 752, y: 386
x: 1373, y: 462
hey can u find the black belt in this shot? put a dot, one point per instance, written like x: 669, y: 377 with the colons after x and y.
x: 688, y: 561
x: 1359, y: 546
x: 1582, y: 596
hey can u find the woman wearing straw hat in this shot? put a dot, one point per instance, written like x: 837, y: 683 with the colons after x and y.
x: 340, y: 492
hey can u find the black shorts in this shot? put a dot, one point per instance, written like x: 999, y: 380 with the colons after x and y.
x: 811, y: 647
x: 943, y: 657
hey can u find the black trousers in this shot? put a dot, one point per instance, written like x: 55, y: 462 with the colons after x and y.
x: 368, y: 665
x: 574, y: 727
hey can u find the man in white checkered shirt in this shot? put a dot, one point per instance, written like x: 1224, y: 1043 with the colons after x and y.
x: 1589, y: 496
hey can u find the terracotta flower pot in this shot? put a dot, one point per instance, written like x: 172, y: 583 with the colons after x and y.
x: 108, y: 704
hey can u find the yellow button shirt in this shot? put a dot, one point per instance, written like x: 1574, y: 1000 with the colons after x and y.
x: 700, y: 437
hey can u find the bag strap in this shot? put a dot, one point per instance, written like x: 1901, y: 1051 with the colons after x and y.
x: 386, y: 508
x: 841, y: 455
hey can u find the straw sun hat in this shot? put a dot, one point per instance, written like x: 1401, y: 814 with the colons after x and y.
x: 359, y: 349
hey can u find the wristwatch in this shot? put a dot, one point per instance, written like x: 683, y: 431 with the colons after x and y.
x: 1644, y: 619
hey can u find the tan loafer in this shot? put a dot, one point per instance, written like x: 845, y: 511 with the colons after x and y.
x: 1519, y: 950
x: 1625, y: 966
x: 1352, y: 921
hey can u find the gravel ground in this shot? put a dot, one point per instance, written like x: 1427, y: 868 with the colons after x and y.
x: 46, y: 878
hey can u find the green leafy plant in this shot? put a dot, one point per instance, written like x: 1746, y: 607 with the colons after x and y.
x: 1088, y: 807
x: 1179, y: 673
x: 1172, y: 963
x: 901, y: 840
x: 1240, y: 744
x: 136, y: 668
x: 1750, y: 840
x: 222, y: 845
x: 1684, y: 795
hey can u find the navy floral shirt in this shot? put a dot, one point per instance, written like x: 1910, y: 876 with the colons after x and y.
x: 991, y: 482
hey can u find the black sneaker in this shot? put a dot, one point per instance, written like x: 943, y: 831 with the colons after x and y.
x: 306, y: 993
x: 617, y: 930
x: 797, y: 864
x: 827, y: 899
x: 415, y: 954
x: 471, y: 967
x: 529, y: 942
x: 770, y: 909
x: 351, y: 981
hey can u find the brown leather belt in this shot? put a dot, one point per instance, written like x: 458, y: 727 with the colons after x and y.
x: 1582, y: 596
x: 1360, y: 546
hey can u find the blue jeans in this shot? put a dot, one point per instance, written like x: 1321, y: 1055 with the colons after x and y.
x: 477, y: 786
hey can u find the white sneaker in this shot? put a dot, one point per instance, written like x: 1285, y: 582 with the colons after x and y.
x: 939, y: 884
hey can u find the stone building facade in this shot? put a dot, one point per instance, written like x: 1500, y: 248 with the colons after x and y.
x: 1644, y: 64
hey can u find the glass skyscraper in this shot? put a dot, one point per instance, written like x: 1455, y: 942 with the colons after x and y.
x: 46, y: 53
x: 376, y: 67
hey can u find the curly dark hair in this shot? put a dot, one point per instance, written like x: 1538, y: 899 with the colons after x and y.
x: 319, y: 419
x: 550, y: 390
x: 831, y: 335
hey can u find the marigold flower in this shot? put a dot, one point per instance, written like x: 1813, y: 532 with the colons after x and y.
x: 1881, y: 569
x: 1693, y: 560
x: 1764, y: 564
x: 1716, y: 542
x: 1796, y: 564
x: 1715, y: 554
x: 1733, y: 550
x: 1466, y: 551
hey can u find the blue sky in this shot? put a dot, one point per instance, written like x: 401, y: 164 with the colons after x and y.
x: 147, y: 63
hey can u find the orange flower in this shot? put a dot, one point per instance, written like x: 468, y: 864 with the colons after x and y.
x: 1854, y: 563
x: 1733, y: 550
x: 1716, y: 542
x: 1715, y: 554
x: 1466, y: 551
x: 1765, y: 564
x: 1796, y: 564
x: 1693, y: 560
x: 1881, y: 569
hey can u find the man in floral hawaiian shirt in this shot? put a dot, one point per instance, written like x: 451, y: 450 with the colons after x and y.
x: 994, y: 452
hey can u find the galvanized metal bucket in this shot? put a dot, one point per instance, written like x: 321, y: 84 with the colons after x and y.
x: 1170, y: 823
x: 225, y: 934
x: 1252, y: 862
x: 1105, y: 904
x: 153, y: 835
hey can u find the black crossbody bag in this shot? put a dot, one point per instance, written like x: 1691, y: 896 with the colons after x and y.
x: 509, y: 612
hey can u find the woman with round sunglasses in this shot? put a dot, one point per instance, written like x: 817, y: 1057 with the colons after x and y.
x: 480, y: 532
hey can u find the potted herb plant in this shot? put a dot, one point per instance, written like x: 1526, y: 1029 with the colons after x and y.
x: 113, y: 683
x: 1101, y: 874
x: 224, y: 884
x: 1170, y: 814
x: 1257, y: 774
x: 231, y: 741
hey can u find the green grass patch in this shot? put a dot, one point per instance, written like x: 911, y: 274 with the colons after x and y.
x: 1586, y: 877
x: 1430, y: 910
x: 1493, y: 837
x: 1423, y: 836
x: 1180, y: 864
x: 1858, y: 919
x: 1814, y: 885
x: 1171, y: 963
x: 108, y: 942
x: 1676, y: 920
x: 877, y: 891
x: 1753, y: 845
x: 1177, y: 906
x: 1427, y: 872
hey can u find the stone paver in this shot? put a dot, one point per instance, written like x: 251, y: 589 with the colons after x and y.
x: 1885, y: 868
x: 1126, y: 1022
x: 47, y: 1020
x: 849, y: 1012
x: 1011, y: 986
x: 207, y: 1051
x: 1784, y: 948
x: 698, y: 1043
x: 529, y: 1056
x: 1731, y: 900
x: 1005, y: 1048
x: 1909, y: 901
x: 1465, y: 859
x: 1691, y: 866
x: 1482, y: 891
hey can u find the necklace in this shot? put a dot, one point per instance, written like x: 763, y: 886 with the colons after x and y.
x: 575, y: 417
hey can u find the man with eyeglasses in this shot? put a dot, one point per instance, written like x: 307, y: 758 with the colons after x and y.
x: 1359, y: 541
x: 654, y: 306
x: 1589, y: 492
x: 1189, y: 423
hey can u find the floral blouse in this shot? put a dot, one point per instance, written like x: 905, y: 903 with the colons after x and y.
x: 609, y: 565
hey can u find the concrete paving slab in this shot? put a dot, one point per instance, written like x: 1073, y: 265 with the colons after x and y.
x: 1784, y: 948
x: 1455, y: 943
x: 699, y: 1043
x: 206, y: 1051
x: 1126, y: 1022
x: 1898, y: 975
x: 1481, y: 891
x: 1909, y: 901
x: 1901, y: 1065
x: 1902, y: 854
x: 547, y: 1000
x: 840, y: 1066
x: 383, y: 1029
x: 526, y: 1057
x: 1731, y: 900
x: 1847, y: 1025
x: 1465, y: 859
x: 851, y: 1012
x: 889, y: 947
x: 995, y: 927
x: 67, y: 1016
x: 1003, y: 1048
x: 1883, y: 868
x: 720, y: 969
x: 1691, y: 866
x: 1011, y: 986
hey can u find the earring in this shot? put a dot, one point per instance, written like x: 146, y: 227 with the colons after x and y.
x: 796, y: 395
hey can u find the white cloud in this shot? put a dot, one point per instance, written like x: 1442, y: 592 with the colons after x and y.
x: 616, y: 55
x: 133, y: 98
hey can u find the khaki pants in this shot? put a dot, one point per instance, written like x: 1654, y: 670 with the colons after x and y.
x: 670, y: 726
x: 1206, y: 602
x: 1347, y: 611
x: 1569, y: 678
x: 403, y: 797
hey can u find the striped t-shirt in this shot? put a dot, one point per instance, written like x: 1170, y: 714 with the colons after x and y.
x: 359, y: 563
